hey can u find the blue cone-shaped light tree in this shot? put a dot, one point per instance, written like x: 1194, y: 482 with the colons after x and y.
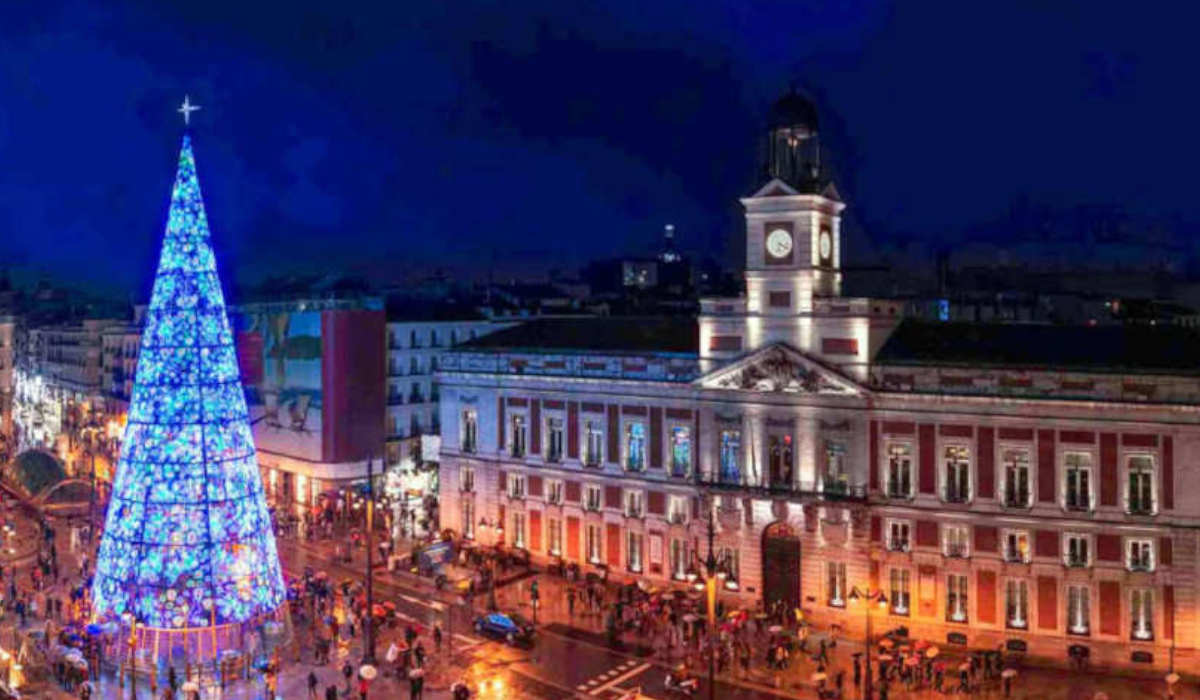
x: 188, y: 542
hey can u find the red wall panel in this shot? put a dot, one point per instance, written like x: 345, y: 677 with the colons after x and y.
x: 893, y: 427
x: 1139, y: 439
x: 572, y: 538
x: 656, y: 438
x: 1077, y: 436
x: 573, y: 430
x: 1169, y: 612
x: 1108, y: 547
x: 353, y: 384
x: 535, y: 530
x: 614, y: 545
x: 1108, y: 469
x: 500, y: 426
x: 927, y: 533
x: 873, y: 456
x: 535, y: 486
x: 985, y: 463
x: 876, y: 528
x: 614, y: 434
x: 927, y: 439
x: 1047, y: 602
x: 612, y: 497
x: 656, y: 503
x: 573, y: 492
x: 985, y: 585
x: 1166, y: 551
x: 1168, y: 473
x: 987, y: 538
x: 1110, y: 607
x: 535, y: 426
x: 1045, y: 543
x: 1047, y: 478
x: 1024, y: 434
x: 960, y: 431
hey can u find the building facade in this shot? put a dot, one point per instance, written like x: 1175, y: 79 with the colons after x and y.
x: 1009, y: 485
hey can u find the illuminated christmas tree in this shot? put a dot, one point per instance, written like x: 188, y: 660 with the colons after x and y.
x: 188, y: 545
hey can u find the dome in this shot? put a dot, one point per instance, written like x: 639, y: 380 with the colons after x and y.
x: 793, y: 109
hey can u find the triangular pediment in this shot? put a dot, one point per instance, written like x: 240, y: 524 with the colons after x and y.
x: 776, y: 188
x: 781, y: 368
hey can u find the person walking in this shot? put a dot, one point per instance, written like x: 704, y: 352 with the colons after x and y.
x: 312, y: 685
x: 437, y: 637
x: 570, y: 604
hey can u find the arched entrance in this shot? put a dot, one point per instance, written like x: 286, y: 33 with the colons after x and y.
x: 781, y: 566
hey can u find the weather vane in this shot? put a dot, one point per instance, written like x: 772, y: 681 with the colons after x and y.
x: 186, y: 110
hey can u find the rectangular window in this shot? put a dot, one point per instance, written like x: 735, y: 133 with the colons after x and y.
x: 633, y: 551
x: 836, y: 481
x: 518, y: 529
x: 470, y: 430
x: 1016, y: 478
x: 593, y: 453
x: 1141, y: 608
x: 1017, y: 604
x: 594, y: 543
x: 635, y: 446
x: 956, y: 540
x: 634, y: 504
x: 591, y: 497
x: 518, y: 436
x: 554, y: 491
x: 899, y: 591
x: 778, y: 300
x: 1140, y: 555
x: 468, y: 518
x: 516, y: 486
x: 1139, y: 498
x: 681, y: 451
x: 835, y: 584
x: 554, y: 439
x: 554, y: 536
x: 1078, y: 491
x: 1079, y: 609
x: 956, y: 463
x: 1016, y: 546
x: 899, y: 470
x: 780, y: 457
x: 956, y: 598
x: 679, y: 559
x: 1078, y: 551
x: 731, y: 456
x: 677, y: 507
x: 898, y: 536
x: 728, y: 562
x: 466, y: 477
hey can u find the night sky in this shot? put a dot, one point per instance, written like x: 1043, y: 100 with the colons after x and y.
x: 391, y: 141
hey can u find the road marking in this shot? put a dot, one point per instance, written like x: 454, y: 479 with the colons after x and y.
x: 621, y: 678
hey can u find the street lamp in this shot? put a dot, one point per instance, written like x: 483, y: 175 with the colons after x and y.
x: 484, y: 523
x: 368, y: 622
x: 866, y: 596
x: 714, y: 571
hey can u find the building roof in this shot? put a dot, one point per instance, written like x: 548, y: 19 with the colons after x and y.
x: 597, y: 334
x: 1131, y: 348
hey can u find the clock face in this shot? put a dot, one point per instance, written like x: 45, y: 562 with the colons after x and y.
x: 825, y: 245
x: 779, y: 243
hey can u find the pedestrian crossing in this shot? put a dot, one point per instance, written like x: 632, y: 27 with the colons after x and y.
x: 612, y: 677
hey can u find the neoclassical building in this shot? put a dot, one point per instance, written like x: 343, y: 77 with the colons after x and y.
x: 1013, y: 485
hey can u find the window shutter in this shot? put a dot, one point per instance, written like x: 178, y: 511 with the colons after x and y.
x: 876, y: 528
x: 1169, y: 612
x: 573, y: 430
x: 1047, y: 476
x: 612, y: 497
x: 535, y: 486
x: 573, y: 492
x: 502, y: 517
x: 1108, y: 469
x: 985, y: 463
x: 1047, y: 602
x: 501, y: 481
x: 927, y: 439
x: 656, y: 503
x: 1166, y: 553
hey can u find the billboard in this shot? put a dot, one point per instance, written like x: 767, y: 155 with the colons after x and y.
x: 280, y: 356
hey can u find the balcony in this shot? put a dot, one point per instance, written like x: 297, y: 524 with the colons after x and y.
x: 1139, y: 508
x: 1077, y: 561
x: 955, y: 495
x: 1016, y: 499
x: 1079, y: 502
x: 678, y: 518
x: 1015, y: 557
x: 554, y: 455
x: 1140, y: 564
x: 956, y: 551
x: 395, y: 400
x: 416, y: 397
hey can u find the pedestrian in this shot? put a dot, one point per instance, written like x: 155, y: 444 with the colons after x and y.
x: 437, y: 637
x: 312, y: 684
x: 331, y: 692
x: 570, y: 603
x: 347, y: 672
x: 416, y: 685
x: 823, y: 653
x: 362, y: 689
x: 857, y: 670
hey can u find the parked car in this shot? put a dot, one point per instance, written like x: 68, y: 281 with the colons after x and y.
x: 513, y: 629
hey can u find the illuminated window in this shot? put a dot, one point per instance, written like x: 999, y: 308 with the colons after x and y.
x: 554, y: 439
x: 835, y: 480
x: 1140, y: 554
x: 899, y: 589
x: 681, y: 451
x: 1016, y: 478
x: 635, y: 446
x: 898, y: 479
x: 1079, y: 609
x: 1141, y: 608
x: 1017, y: 603
x: 956, y: 462
x: 470, y: 430
x: 633, y: 551
x: 730, y: 458
x: 1139, y: 497
x: 835, y: 584
x: 1016, y: 546
x: 1078, y: 550
x: 956, y: 598
x: 594, y: 452
x: 518, y: 435
x: 1078, y: 492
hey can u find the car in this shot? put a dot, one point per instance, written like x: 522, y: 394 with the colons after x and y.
x: 512, y: 628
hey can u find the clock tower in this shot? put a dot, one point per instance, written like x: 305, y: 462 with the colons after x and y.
x: 794, y: 262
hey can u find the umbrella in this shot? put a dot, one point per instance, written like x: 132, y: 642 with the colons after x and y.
x: 964, y: 666
x: 886, y: 643
x: 1172, y: 678
x: 190, y: 687
x: 416, y: 672
x: 921, y: 645
x: 1100, y: 695
x: 911, y: 661
x: 1007, y: 673
x: 690, y: 618
x: 775, y: 629
x: 368, y: 672
x: 885, y: 657
x: 93, y: 629
x: 818, y: 676
x: 932, y: 652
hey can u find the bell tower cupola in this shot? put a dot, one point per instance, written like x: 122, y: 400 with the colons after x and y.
x: 793, y: 144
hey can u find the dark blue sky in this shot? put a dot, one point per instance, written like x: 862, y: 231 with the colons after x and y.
x: 388, y: 140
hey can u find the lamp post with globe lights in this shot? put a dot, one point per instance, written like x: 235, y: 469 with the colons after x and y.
x: 868, y: 599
